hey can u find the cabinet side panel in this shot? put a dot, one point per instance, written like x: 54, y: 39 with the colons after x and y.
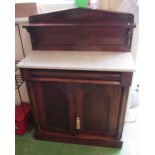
x: 33, y: 104
x: 115, y: 94
x: 122, y: 110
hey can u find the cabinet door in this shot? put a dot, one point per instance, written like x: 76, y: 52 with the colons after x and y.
x: 54, y: 106
x: 98, y: 108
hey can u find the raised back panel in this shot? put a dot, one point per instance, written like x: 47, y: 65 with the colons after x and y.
x: 81, y: 15
x: 81, y: 29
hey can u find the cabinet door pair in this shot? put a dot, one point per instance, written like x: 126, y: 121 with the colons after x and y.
x: 77, y: 108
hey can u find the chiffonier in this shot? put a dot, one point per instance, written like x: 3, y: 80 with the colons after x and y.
x: 78, y: 75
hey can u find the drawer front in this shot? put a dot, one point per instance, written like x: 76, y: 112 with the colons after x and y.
x: 123, y: 78
x: 87, y: 75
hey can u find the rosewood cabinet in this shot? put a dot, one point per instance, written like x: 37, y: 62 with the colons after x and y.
x: 79, y: 94
x: 76, y: 106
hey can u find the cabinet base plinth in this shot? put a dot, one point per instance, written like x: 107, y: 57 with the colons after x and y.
x: 79, y: 139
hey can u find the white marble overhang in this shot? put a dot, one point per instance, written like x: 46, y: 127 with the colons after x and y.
x: 79, y: 60
x: 21, y: 20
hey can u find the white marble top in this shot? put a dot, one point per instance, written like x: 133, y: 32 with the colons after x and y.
x: 21, y: 19
x: 79, y: 60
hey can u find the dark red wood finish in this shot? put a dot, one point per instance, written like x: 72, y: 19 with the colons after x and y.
x: 82, y: 30
x: 83, y: 107
x: 80, y: 37
x: 97, y: 98
x: 84, y: 15
x: 97, y: 110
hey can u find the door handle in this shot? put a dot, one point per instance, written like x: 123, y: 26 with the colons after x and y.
x: 78, y: 125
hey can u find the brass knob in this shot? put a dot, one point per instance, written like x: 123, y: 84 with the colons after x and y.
x: 78, y: 123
